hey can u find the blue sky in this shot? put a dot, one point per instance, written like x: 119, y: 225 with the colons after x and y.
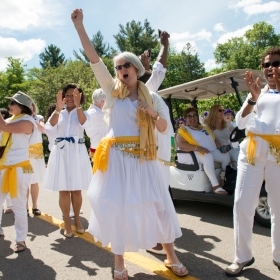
x: 27, y: 27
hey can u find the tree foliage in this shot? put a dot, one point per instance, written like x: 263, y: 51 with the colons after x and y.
x: 51, y: 56
x: 135, y: 37
x: 246, y: 52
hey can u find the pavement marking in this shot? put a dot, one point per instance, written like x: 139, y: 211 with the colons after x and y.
x: 136, y: 258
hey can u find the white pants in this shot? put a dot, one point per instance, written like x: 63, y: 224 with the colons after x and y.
x: 208, y: 164
x: 9, y: 201
x: 19, y: 203
x: 248, y: 185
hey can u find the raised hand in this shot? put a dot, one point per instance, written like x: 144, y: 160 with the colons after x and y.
x: 59, y: 101
x: 164, y: 38
x: 254, y: 85
x: 77, y: 98
x: 145, y: 60
x: 77, y: 16
x: 276, y: 76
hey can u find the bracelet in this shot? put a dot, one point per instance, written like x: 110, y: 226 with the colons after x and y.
x: 78, y: 107
x: 56, y: 112
x: 251, y: 102
x: 156, y: 118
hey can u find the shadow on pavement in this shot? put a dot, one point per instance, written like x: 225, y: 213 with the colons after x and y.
x: 23, y: 266
x: 208, y: 213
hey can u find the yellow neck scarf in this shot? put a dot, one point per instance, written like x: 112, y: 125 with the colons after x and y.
x: 147, y: 134
x: 183, y: 132
x: 274, y: 145
x: 5, y: 137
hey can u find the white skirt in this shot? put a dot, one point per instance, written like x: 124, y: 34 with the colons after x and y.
x: 131, y: 206
x: 39, y: 168
x: 68, y: 168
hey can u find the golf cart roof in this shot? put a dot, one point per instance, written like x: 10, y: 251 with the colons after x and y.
x: 212, y: 86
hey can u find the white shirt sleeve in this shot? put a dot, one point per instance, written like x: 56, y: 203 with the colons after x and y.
x: 158, y: 74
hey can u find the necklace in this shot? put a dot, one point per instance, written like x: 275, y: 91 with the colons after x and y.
x: 199, y: 127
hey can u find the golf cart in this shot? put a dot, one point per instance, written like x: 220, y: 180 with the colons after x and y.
x: 189, y: 181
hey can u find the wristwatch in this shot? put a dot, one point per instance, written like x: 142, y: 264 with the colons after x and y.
x: 156, y: 117
x: 56, y: 112
x: 251, y: 102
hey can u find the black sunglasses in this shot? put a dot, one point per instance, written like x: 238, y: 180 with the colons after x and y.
x: 13, y: 103
x: 191, y: 116
x: 221, y: 110
x: 275, y: 63
x: 126, y: 65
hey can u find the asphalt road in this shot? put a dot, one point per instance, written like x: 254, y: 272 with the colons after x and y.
x: 206, y: 247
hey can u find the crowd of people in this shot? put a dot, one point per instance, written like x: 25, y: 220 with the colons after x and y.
x: 126, y: 170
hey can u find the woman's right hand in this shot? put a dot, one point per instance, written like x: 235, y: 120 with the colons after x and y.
x: 77, y: 16
x: 254, y: 86
x: 59, y: 101
x: 202, y: 150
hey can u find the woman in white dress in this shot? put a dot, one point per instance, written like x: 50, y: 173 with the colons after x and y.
x: 37, y: 161
x: 15, y: 167
x: 69, y: 168
x: 132, y: 208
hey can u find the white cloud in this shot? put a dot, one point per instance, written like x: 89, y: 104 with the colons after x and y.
x: 19, y: 49
x: 179, y: 40
x: 254, y: 7
x: 238, y: 33
x: 219, y: 27
x: 21, y: 15
x: 210, y: 64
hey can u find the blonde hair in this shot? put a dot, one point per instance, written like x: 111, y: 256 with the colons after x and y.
x: 34, y: 108
x: 210, y: 120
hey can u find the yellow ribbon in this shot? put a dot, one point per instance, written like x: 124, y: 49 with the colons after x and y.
x: 5, y: 137
x: 36, y: 151
x: 9, y: 182
x: 274, y: 145
x: 101, y: 154
x: 183, y: 132
x: 145, y: 122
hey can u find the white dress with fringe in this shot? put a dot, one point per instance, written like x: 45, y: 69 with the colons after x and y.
x: 39, y: 165
x: 69, y: 167
x: 131, y: 206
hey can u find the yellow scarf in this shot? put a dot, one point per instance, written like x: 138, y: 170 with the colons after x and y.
x: 274, y: 145
x: 147, y: 134
x: 183, y: 132
x: 101, y: 154
x: 5, y: 137
x: 9, y: 182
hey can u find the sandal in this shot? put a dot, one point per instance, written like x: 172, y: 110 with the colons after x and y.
x: 36, y: 212
x: 178, y: 269
x: 121, y: 275
x: 19, y: 247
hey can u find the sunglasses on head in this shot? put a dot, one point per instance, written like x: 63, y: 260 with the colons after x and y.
x: 126, y: 65
x: 13, y: 103
x: 191, y: 116
x: 275, y: 63
x: 221, y: 110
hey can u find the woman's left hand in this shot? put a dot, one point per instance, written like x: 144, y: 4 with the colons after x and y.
x: 77, y: 98
x: 143, y: 105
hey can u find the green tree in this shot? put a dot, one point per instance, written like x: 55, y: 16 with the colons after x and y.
x: 135, y: 37
x: 52, y: 56
x: 246, y: 52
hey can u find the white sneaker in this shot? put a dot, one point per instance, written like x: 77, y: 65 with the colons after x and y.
x: 71, y: 214
x: 81, y: 211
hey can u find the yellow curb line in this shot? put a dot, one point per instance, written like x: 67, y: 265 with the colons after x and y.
x: 136, y: 258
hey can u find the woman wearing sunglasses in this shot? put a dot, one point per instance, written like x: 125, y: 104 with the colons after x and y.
x: 15, y: 168
x: 258, y: 160
x: 132, y: 208
x: 200, y: 140
x: 69, y: 168
x: 222, y: 130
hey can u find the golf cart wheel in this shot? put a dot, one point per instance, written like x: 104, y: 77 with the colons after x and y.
x: 262, y: 214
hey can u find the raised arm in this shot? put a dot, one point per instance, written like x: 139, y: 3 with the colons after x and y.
x: 77, y: 18
x: 16, y: 127
x: 162, y: 56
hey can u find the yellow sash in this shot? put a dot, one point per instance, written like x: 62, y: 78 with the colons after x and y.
x: 36, y: 151
x: 147, y: 133
x: 183, y: 132
x: 101, y: 154
x: 5, y: 137
x: 274, y: 145
x: 9, y: 182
